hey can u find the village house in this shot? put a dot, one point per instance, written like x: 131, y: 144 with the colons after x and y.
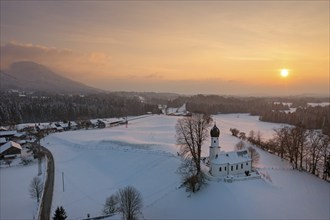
x: 10, y: 149
x: 7, y: 134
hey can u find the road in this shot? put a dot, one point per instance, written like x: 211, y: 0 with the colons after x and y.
x: 46, y: 200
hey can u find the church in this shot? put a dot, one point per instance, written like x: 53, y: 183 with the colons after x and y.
x: 222, y: 163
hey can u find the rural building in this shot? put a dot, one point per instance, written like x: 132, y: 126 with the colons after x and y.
x: 10, y: 149
x: 227, y: 163
x: 7, y: 134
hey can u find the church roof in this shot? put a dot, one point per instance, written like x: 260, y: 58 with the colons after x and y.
x: 232, y: 157
x: 215, y: 132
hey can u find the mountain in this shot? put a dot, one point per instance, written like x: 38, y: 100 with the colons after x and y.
x: 30, y: 76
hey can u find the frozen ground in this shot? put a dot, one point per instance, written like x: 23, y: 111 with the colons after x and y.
x: 96, y: 163
x: 15, y: 200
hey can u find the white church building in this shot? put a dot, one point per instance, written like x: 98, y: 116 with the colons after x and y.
x: 222, y: 163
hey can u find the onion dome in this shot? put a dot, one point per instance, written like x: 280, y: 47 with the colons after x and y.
x: 215, y: 132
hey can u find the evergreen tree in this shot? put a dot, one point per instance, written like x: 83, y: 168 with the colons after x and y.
x: 60, y: 214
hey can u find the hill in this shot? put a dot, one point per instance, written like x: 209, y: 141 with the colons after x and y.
x: 30, y: 76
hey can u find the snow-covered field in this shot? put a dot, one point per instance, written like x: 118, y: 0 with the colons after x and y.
x: 96, y: 163
x: 15, y: 200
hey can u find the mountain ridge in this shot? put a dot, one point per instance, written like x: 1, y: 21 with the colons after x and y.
x: 31, y: 76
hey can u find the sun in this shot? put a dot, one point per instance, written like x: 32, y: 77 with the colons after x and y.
x: 284, y: 72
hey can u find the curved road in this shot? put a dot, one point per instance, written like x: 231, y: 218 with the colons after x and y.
x: 46, y: 200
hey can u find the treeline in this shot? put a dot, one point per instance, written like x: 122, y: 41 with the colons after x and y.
x: 15, y: 109
x: 307, y: 150
x: 267, y: 108
x: 311, y: 117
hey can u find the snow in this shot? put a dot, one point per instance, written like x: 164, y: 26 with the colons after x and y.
x: 15, y: 200
x: 322, y: 104
x: 96, y: 163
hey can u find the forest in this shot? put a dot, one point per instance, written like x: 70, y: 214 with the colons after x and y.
x: 270, y: 109
x: 15, y: 109
x: 42, y: 107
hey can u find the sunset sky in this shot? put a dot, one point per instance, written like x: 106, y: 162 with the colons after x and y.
x: 189, y: 47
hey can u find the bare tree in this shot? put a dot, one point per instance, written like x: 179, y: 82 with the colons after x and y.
x: 36, y: 187
x: 8, y: 161
x: 234, y: 131
x: 242, y: 136
x: 315, y: 150
x: 191, y: 132
x: 111, y: 205
x: 255, y: 156
x: 240, y: 145
x: 129, y: 203
x: 251, y: 136
x: 326, y: 157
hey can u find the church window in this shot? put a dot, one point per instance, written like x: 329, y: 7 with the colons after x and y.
x: 232, y: 167
x: 225, y: 168
x: 236, y: 166
x: 241, y: 166
x: 214, y: 141
x: 247, y: 164
x: 220, y: 169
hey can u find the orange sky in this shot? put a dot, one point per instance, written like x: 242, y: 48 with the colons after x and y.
x: 190, y: 47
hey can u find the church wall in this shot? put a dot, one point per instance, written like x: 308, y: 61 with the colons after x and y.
x: 230, y: 169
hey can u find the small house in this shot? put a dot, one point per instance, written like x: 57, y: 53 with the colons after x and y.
x: 10, y: 150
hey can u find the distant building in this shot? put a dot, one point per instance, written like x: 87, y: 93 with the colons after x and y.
x: 227, y: 163
x: 181, y: 111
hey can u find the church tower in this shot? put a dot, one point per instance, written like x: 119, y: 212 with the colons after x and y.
x: 214, y: 148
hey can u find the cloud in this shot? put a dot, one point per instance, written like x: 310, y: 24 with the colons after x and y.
x: 154, y: 76
x: 14, y: 51
x: 250, y: 58
x: 67, y: 62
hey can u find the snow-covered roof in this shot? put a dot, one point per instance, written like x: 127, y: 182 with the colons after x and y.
x: 8, y: 145
x: 73, y: 123
x: 20, y: 134
x: 59, y: 128
x: 107, y: 121
x: 3, y: 129
x: 177, y: 111
x: 45, y: 126
x: 7, y: 133
x: 22, y: 126
x: 232, y: 157
x: 2, y: 140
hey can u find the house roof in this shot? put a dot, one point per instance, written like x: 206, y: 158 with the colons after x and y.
x: 232, y: 157
x: 2, y: 140
x: 8, y: 145
x: 7, y: 133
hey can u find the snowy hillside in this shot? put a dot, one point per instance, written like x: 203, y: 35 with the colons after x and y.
x: 96, y: 163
